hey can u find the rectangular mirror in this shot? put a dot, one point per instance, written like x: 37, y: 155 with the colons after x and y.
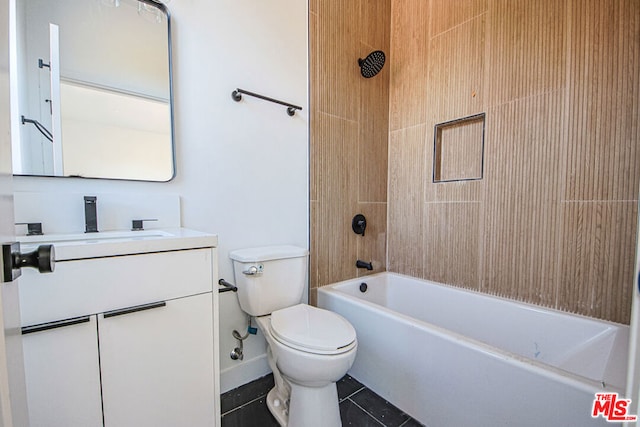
x: 94, y: 89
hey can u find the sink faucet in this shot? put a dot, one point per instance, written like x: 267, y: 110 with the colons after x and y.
x: 90, y: 214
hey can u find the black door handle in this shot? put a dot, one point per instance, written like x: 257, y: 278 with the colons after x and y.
x: 42, y: 258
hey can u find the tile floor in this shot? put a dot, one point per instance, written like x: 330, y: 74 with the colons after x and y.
x: 246, y: 406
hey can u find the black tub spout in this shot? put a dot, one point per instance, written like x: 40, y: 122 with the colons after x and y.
x: 364, y: 264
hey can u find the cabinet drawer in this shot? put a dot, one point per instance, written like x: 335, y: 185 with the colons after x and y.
x: 96, y: 285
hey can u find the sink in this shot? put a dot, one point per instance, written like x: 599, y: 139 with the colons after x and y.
x: 119, y: 242
x: 93, y: 237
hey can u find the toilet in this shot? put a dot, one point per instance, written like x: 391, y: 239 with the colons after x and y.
x: 309, y: 348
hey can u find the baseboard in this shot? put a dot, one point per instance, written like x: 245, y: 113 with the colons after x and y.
x: 244, y: 372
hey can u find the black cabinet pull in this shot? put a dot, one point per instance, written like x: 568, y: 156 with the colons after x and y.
x: 128, y: 310
x: 54, y: 325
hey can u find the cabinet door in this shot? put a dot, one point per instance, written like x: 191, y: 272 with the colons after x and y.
x: 157, y: 364
x: 62, y: 373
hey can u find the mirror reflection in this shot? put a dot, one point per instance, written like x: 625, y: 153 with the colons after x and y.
x: 94, y: 89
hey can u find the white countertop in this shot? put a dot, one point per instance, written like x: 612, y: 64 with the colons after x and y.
x: 114, y: 243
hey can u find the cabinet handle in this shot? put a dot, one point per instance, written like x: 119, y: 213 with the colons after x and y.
x: 54, y: 325
x: 128, y: 310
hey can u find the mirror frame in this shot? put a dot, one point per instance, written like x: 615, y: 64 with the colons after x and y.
x: 163, y: 8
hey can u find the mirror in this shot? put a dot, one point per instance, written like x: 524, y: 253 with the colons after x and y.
x: 94, y: 89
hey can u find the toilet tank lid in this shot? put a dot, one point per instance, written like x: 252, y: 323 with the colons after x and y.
x: 267, y: 253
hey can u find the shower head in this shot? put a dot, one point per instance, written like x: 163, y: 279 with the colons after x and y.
x: 372, y: 64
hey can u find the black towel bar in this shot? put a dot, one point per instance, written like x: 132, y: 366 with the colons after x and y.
x: 236, y: 95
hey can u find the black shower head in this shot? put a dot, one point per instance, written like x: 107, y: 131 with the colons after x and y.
x: 372, y: 64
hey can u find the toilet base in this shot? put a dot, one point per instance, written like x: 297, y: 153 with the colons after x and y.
x: 307, y: 407
x: 314, y: 406
x: 278, y: 407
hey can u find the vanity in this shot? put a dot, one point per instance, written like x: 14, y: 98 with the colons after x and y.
x: 124, y: 332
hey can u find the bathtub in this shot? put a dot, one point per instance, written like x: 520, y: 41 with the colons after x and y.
x: 452, y: 357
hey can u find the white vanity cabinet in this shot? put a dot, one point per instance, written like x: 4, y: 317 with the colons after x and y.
x: 158, y: 355
x: 63, y: 374
x: 126, y: 340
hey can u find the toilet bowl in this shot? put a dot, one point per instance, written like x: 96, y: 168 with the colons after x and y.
x: 309, y: 348
x: 309, y: 362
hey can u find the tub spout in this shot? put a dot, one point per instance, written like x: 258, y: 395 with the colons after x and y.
x: 363, y: 264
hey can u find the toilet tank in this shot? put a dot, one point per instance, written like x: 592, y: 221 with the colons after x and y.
x: 269, y: 278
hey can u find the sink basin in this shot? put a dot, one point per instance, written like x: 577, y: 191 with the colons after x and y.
x: 93, y: 237
x: 121, y: 242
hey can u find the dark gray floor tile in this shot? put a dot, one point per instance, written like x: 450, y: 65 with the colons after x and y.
x: 351, y: 415
x: 382, y: 410
x: 245, y: 406
x: 255, y: 413
x: 412, y: 423
x: 347, y: 386
x: 246, y: 393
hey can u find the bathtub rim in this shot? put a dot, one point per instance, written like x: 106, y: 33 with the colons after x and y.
x: 531, y: 365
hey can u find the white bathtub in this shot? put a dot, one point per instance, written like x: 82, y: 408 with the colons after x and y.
x: 450, y: 357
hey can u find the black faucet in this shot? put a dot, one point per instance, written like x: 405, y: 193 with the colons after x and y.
x: 90, y: 214
x: 363, y: 264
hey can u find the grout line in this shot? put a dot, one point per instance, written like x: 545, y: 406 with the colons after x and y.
x: 408, y: 420
x: 458, y: 25
x: 334, y: 116
x: 243, y: 405
x: 598, y: 201
x: 409, y: 127
x: 363, y: 410
x: 443, y: 202
x: 352, y: 394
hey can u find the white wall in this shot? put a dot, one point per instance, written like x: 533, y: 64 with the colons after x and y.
x: 242, y: 168
x: 137, y: 49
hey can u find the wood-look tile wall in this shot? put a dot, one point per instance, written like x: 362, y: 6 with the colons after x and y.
x: 349, y: 133
x: 553, y: 221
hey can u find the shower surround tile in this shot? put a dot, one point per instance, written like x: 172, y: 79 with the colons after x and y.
x: 337, y: 199
x: 406, y: 206
x: 595, y: 273
x: 526, y: 49
x: 603, y: 94
x: 339, y: 75
x: 408, y: 95
x: 524, y: 147
x: 372, y: 247
x: 453, y: 243
x: 553, y: 219
x: 349, y: 133
x: 456, y: 73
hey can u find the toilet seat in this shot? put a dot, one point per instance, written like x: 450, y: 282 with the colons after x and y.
x: 312, y: 330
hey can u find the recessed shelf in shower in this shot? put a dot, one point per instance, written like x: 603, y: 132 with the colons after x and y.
x: 458, y: 149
